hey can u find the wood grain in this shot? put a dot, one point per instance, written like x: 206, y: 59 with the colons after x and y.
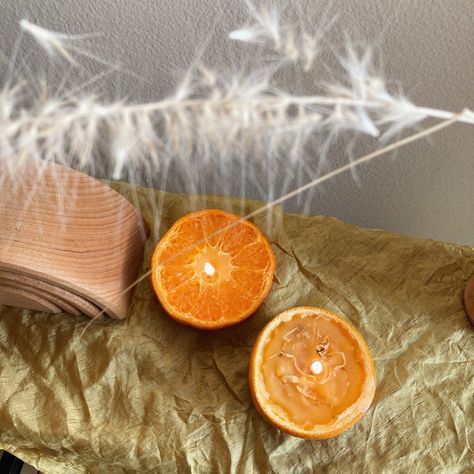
x: 73, y: 238
x: 49, y: 295
x: 24, y: 299
x: 80, y: 305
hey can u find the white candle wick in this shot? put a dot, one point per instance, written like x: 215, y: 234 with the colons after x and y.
x: 209, y: 269
x: 316, y: 367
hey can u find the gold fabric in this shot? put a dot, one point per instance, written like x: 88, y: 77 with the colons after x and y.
x: 149, y: 395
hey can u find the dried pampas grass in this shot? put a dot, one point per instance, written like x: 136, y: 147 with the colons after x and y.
x: 213, y: 119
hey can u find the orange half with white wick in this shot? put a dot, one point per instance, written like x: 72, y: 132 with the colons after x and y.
x: 311, y: 373
x: 212, y: 269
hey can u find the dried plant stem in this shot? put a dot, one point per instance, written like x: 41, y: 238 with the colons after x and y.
x: 356, y: 163
x: 263, y: 104
x: 278, y: 101
x: 342, y: 169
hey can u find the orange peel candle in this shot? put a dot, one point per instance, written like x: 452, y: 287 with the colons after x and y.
x: 212, y: 269
x: 311, y: 373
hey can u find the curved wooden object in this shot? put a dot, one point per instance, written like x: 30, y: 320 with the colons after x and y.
x: 25, y: 299
x: 26, y: 284
x: 69, y: 236
x: 469, y: 299
x: 80, y: 305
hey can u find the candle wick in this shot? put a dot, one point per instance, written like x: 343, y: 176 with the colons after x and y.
x: 209, y: 269
x: 316, y: 367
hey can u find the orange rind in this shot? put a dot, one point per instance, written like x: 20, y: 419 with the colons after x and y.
x: 274, y: 395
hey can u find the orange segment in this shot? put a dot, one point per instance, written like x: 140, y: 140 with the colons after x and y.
x: 212, y: 269
x: 311, y: 373
x: 251, y: 253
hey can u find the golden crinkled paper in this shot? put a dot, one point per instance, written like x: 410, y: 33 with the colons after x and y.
x: 149, y: 395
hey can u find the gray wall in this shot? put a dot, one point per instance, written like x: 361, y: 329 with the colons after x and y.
x: 427, y: 48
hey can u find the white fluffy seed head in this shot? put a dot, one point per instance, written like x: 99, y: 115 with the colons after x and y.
x: 212, y: 117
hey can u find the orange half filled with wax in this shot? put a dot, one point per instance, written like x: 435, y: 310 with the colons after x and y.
x: 311, y: 373
x: 212, y: 269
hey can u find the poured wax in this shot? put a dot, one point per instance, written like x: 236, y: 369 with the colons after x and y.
x: 312, y: 369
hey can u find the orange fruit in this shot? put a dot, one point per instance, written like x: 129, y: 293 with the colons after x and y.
x: 311, y: 373
x: 212, y: 269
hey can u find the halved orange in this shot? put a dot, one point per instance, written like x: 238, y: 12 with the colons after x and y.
x: 311, y: 373
x: 212, y: 269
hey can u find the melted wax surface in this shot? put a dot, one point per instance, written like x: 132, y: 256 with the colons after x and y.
x: 308, y: 399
